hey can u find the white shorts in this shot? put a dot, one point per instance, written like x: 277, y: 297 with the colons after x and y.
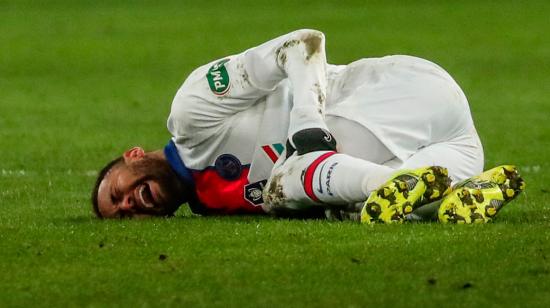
x: 461, y: 155
x: 403, y: 112
x: 408, y: 103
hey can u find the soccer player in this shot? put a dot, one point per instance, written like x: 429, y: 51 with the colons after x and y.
x: 276, y: 129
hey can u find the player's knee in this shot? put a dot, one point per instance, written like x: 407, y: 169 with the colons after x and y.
x: 304, y: 43
x: 304, y: 33
x: 313, y: 40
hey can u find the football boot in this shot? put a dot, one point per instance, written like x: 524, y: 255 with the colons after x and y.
x: 480, y: 198
x: 406, y: 191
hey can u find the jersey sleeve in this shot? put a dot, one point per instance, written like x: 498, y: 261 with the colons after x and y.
x: 209, y: 98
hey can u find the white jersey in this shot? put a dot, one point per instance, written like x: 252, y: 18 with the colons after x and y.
x: 240, y: 106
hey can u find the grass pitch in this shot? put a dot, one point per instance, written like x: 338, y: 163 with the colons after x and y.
x: 80, y: 81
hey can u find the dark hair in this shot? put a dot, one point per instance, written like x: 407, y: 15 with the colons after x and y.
x: 100, y: 178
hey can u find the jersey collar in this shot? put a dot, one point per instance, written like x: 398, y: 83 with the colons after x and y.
x: 175, y: 161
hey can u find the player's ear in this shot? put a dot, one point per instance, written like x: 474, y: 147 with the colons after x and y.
x: 133, y: 154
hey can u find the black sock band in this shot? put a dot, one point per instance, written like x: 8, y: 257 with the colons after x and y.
x: 311, y: 140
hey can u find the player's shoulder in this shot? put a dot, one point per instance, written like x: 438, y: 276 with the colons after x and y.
x: 205, y: 82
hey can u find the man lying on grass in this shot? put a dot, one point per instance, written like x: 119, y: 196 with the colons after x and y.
x: 276, y: 129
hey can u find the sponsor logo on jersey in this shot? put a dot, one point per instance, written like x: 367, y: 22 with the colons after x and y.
x: 218, y: 78
x: 253, y: 192
x: 273, y: 151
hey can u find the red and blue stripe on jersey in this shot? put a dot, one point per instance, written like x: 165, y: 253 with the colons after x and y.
x: 214, y: 193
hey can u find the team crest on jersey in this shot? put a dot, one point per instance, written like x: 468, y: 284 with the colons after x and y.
x: 218, y: 78
x: 228, y: 167
x: 253, y: 192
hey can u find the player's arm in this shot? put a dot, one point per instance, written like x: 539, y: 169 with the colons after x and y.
x: 300, y: 57
x: 204, y: 106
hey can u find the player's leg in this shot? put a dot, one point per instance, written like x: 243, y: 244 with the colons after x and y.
x: 463, y: 157
x: 329, y: 179
x: 311, y: 172
x: 356, y: 140
x: 476, y: 196
x: 304, y: 62
x: 322, y: 178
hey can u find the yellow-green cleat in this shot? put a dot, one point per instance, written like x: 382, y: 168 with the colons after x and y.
x: 478, y: 199
x: 406, y: 191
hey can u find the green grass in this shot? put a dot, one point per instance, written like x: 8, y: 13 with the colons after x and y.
x: 80, y: 81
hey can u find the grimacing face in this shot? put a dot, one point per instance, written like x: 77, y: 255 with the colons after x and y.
x: 141, y: 185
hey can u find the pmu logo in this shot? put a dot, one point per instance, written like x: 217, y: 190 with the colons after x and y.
x: 218, y: 78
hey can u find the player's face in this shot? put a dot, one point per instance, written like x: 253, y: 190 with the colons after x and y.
x: 140, y: 186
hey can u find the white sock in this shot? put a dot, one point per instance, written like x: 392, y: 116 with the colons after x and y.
x: 341, y: 178
x: 322, y: 177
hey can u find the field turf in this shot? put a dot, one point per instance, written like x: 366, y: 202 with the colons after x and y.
x: 80, y: 81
